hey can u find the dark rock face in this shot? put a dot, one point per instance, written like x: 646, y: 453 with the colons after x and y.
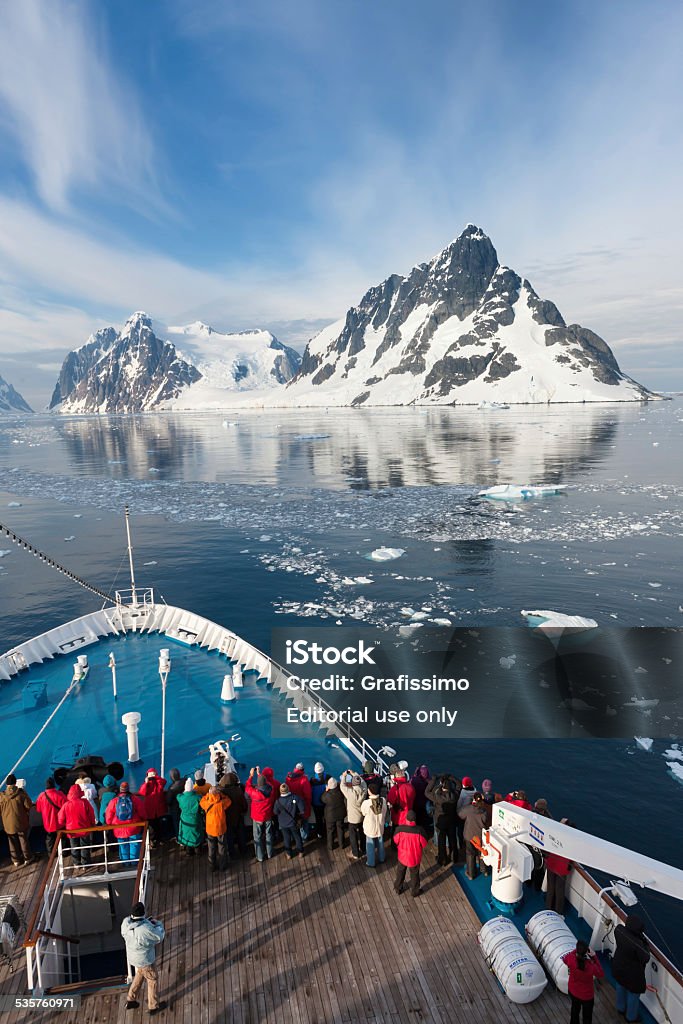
x: 11, y: 400
x: 77, y: 364
x: 131, y: 372
x: 286, y: 363
x: 495, y: 327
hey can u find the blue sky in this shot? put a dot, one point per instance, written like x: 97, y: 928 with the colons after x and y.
x: 263, y: 164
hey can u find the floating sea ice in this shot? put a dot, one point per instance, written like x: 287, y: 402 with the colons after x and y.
x: 644, y: 742
x: 418, y: 616
x: 384, y: 554
x: 409, y: 630
x: 507, y: 662
x: 640, y: 671
x: 78, y: 515
x: 674, y: 753
x: 6, y: 552
x: 655, y: 585
x: 153, y: 469
x: 13, y: 504
x: 407, y: 611
x: 264, y: 538
x: 150, y: 563
x: 67, y: 539
x: 441, y: 622
x: 675, y: 769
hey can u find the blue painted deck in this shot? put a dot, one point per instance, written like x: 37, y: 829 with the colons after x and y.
x: 195, y: 716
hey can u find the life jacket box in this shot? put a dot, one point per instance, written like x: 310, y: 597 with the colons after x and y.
x: 551, y: 939
x: 34, y: 695
x: 519, y: 973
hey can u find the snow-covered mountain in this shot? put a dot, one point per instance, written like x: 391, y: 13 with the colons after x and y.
x: 136, y: 370
x: 11, y: 400
x: 239, y: 362
x: 461, y: 329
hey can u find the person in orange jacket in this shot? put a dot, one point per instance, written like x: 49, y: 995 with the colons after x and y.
x: 215, y: 804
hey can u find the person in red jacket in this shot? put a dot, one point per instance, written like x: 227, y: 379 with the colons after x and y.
x: 300, y: 785
x: 77, y: 813
x: 584, y: 968
x: 126, y: 811
x: 48, y: 805
x: 261, y: 798
x: 154, y: 802
x: 518, y: 797
x: 400, y: 798
x: 557, y: 868
x: 411, y: 841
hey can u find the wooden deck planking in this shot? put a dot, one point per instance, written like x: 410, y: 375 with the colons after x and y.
x: 318, y: 940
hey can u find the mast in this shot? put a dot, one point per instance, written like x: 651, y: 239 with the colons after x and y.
x: 134, y: 597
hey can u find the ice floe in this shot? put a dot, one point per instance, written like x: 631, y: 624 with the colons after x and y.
x: 384, y: 554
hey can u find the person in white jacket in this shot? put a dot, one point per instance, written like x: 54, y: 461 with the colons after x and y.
x: 354, y: 791
x: 142, y: 935
x: 374, y: 810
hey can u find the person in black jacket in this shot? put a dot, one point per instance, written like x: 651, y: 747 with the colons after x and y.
x: 233, y: 788
x: 443, y: 792
x: 630, y: 959
x: 289, y: 811
x: 335, y: 812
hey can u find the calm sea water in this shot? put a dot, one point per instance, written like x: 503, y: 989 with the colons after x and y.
x: 259, y: 520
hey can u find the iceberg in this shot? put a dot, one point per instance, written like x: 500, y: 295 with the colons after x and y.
x: 521, y: 492
x: 644, y: 742
x: 557, y: 623
x: 386, y: 554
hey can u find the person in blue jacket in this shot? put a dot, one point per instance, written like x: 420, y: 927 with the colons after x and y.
x: 289, y: 811
x: 142, y: 935
x: 318, y: 781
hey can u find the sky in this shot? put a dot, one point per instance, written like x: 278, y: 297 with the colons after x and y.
x: 263, y: 164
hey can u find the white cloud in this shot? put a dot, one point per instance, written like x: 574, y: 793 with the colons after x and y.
x: 75, y: 123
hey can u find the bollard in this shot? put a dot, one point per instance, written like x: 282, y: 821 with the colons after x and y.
x: 131, y: 720
x: 228, y: 690
x: 237, y: 676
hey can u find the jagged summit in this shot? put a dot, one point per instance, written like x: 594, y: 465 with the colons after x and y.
x: 137, y: 370
x: 11, y: 400
x: 461, y: 328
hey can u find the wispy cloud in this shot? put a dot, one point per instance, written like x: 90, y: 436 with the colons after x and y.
x: 67, y: 109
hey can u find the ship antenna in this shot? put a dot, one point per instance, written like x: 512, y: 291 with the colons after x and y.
x: 134, y: 597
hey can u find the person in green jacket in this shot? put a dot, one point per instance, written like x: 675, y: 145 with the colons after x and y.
x: 191, y: 825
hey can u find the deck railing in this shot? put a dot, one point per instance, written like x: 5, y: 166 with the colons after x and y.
x: 51, y: 957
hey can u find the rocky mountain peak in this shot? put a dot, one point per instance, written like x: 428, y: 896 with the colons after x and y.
x: 461, y: 328
x: 11, y: 400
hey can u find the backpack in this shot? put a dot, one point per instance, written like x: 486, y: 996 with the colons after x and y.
x: 124, y: 808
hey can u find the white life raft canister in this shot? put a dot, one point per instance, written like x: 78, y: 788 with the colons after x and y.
x: 518, y: 971
x: 551, y: 938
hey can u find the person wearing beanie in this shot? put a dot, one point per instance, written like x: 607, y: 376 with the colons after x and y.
x: 142, y: 935
x: 319, y: 780
x: 74, y: 815
x: 298, y: 782
x: 288, y: 809
x: 261, y: 796
x: 335, y: 812
x: 121, y: 811
x: 411, y: 841
x: 354, y: 792
x: 190, y: 823
x: 465, y: 798
x: 154, y: 801
x: 175, y: 787
x: 201, y: 786
x: 400, y: 797
x: 48, y: 805
x: 374, y: 810
x: 215, y: 806
x: 443, y: 792
x: 473, y: 816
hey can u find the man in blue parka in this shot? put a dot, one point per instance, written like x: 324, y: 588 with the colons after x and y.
x: 141, y: 935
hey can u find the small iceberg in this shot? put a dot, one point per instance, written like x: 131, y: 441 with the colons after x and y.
x: 385, y: 554
x: 557, y: 623
x: 644, y: 742
x: 492, y: 405
x: 521, y: 492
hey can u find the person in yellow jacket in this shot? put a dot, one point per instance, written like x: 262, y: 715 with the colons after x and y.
x: 215, y: 804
